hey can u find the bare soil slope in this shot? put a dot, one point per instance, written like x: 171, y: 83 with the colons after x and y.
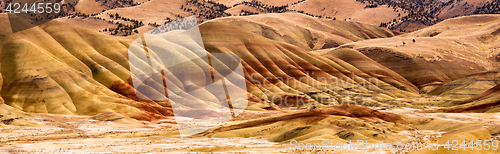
x: 456, y: 60
x: 306, y: 32
x: 429, y: 57
x: 80, y: 71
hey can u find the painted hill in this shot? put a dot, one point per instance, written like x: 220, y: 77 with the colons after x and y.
x: 306, y: 32
x: 428, y: 57
x: 80, y: 71
x: 275, y: 53
x: 124, y: 18
x: 278, y: 65
x: 115, y: 17
x: 61, y: 69
x: 475, y: 93
x: 290, y: 62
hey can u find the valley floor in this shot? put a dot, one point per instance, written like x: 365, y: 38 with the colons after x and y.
x: 81, y: 134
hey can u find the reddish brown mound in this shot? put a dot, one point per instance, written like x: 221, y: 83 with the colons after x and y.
x: 480, y: 108
x: 127, y: 90
x: 362, y: 112
x: 348, y: 110
x: 266, y: 120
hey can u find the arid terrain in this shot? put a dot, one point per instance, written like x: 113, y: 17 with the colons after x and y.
x: 312, y: 70
x: 128, y: 17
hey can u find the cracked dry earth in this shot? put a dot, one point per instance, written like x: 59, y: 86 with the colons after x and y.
x: 83, y: 134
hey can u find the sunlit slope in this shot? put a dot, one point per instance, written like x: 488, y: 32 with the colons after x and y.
x: 306, y: 32
x: 436, y: 55
x: 63, y: 69
x: 278, y: 68
x: 10, y: 115
x: 154, y: 11
x: 337, y: 124
x: 350, y: 10
x: 456, y: 60
x: 355, y: 61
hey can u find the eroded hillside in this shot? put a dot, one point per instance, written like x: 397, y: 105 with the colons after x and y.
x: 302, y: 75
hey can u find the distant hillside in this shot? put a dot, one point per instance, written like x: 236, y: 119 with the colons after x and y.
x: 117, y: 17
x: 456, y: 59
x: 306, y: 32
x: 61, y: 68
